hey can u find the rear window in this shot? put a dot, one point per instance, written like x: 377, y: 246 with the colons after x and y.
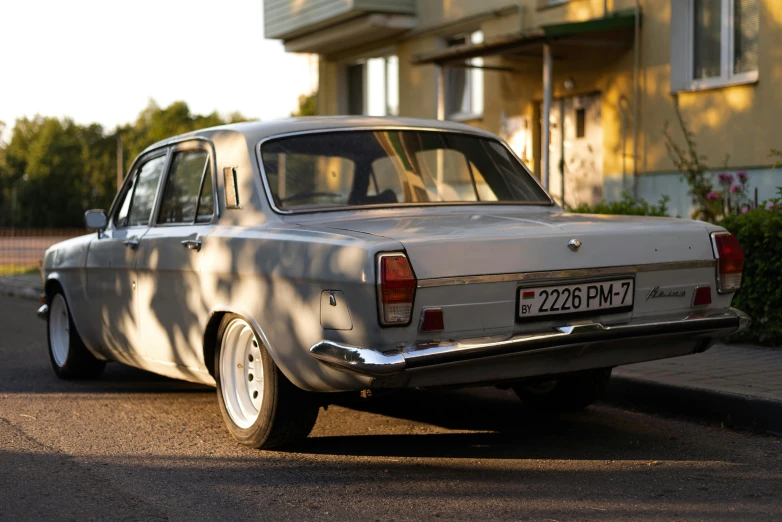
x: 363, y: 168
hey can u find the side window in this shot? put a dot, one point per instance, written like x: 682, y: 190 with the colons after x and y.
x: 137, y: 202
x: 184, y: 189
x: 121, y: 217
x: 147, y: 179
x: 206, y: 202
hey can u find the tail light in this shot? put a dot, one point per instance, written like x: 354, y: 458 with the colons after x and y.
x: 730, y: 261
x: 396, y: 289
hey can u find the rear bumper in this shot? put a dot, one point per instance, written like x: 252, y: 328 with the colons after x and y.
x: 592, y: 344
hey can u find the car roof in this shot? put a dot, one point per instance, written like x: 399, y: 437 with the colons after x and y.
x: 257, y: 131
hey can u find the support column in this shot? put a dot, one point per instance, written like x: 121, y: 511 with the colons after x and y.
x: 562, y: 151
x: 546, y: 124
x: 440, y: 94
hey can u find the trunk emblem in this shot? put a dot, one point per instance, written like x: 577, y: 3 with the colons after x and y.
x: 657, y: 293
x: 574, y: 245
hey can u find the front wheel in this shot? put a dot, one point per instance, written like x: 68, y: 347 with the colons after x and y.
x: 260, y: 406
x: 67, y: 353
x: 568, y: 393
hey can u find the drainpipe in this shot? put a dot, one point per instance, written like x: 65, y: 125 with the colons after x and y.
x: 622, y: 109
x: 636, y: 73
x: 440, y: 94
x: 546, y: 131
x: 562, y: 149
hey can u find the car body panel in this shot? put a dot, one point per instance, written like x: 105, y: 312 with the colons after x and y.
x: 152, y: 307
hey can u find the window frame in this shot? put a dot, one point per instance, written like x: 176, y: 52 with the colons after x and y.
x: 190, y: 144
x: 391, y: 128
x: 143, y: 159
x: 727, y: 52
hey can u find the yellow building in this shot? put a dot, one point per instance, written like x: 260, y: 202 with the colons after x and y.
x: 608, y: 73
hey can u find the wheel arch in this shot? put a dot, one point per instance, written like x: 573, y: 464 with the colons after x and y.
x: 210, y: 337
x: 51, y: 285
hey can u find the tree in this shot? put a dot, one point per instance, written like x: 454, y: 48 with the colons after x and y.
x: 58, y: 169
x: 154, y: 124
x: 308, y: 105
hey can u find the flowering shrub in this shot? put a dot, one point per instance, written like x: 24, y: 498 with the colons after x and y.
x: 759, y: 232
x: 627, y: 206
x: 710, y: 203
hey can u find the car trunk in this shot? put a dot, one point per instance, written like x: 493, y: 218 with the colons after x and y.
x: 473, y: 243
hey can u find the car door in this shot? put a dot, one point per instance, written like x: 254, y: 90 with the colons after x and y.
x: 111, y: 261
x: 171, y: 309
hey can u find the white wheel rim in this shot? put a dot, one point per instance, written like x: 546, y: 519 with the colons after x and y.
x: 241, y: 373
x: 59, y: 330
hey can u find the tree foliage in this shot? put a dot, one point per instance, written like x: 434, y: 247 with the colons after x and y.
x: 308, y: 105
x: 759, y: 232
x: 627, y: 206
x: 57, y: 169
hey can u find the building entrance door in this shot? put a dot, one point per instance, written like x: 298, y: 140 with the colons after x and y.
x: 576, y: 150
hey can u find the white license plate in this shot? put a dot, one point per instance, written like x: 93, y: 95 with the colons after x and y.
x: 616, y: 295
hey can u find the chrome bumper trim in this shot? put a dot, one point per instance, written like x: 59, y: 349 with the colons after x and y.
x: 565, y: 274
x: 368, y: 361
x: 43, y: 312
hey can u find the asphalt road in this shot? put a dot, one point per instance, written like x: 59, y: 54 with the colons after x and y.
x: 134, y: 446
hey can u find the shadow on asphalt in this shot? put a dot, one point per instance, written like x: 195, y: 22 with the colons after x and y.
x: 117, y: 378
x: 485, y: 422
x: 499, y: 427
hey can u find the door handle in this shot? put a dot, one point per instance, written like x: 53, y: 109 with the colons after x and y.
x: 131, y: 243
x: 192, y: 244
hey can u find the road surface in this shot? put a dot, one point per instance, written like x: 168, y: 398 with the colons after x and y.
x: 134, y: 446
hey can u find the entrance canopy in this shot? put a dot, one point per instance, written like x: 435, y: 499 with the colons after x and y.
x: 614, y: 30
x: 618, y: 30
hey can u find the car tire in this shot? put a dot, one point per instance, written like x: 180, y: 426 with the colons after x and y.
x: 569, y: 393
x: 69, y: 356
x: 260, y: 406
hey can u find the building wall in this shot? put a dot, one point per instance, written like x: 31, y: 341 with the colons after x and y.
x: 742, y: 122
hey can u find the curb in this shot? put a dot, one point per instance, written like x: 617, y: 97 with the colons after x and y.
x: 730, y: 409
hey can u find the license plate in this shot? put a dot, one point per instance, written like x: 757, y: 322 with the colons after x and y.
x: 550, y: 301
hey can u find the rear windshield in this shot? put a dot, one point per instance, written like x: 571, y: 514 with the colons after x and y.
x: 321, y: 171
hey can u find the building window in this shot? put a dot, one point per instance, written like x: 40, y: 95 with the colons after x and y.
x: 714, y: 43
x: 464, y: 85
x: 373, y: 87
x: 580, y: 123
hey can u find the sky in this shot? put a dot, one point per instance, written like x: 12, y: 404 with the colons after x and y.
x: 103, y: 60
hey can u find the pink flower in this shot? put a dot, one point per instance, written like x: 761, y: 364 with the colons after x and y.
x: 725, y: 178
x: 771, y: 205
x: 745, y: 209
x: 712, y: 196
x: 736, y: 188
x: 742, y: 177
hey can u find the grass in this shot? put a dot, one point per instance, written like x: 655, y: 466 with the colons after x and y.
x: 6, y: 270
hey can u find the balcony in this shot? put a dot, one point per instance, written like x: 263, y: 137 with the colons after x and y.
x: 325, y: 26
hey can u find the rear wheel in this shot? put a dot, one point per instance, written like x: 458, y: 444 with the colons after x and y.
x: 260, y: 406
x: 67, y: 353
x: 568, y: 393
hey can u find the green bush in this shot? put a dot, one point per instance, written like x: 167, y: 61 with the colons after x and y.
x: 627, y: 206
x: 759, y: 232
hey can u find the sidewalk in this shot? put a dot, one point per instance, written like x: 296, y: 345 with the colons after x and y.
x: 28, y: 286
x: 736, y: 385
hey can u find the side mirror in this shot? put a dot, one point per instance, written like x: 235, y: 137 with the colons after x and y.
x: 96, y: 220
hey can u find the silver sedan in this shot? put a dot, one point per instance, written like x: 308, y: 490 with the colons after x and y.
x: 280, y: 261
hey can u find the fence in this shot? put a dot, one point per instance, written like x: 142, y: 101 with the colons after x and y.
x: 21, y: 249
